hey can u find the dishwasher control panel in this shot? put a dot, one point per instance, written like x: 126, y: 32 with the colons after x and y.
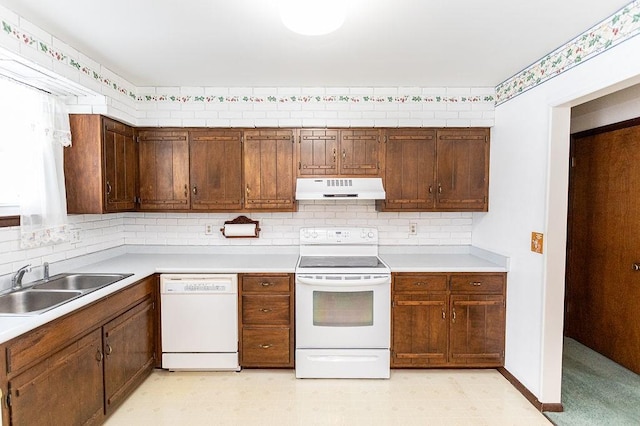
x: 214, y: 283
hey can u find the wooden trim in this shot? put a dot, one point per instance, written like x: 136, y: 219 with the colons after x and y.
x: 6, y: 221
x: 540, y: 406
x: 608, y: 128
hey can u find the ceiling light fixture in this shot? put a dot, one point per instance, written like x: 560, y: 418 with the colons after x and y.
x: 313, y: 17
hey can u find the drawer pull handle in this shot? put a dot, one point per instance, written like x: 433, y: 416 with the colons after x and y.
x: 265, y: 284
x: 420, y: 283
x: 265, y: 346
x: 99, y: 356
x: 109, y: 349
x: 476, y: 283
x: 265, y: 310
x: 453, y: 315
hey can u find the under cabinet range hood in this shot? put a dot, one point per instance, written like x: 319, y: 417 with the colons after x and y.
x: 339, y: 189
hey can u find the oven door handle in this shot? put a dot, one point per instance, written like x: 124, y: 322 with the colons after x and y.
x: 342, y: 283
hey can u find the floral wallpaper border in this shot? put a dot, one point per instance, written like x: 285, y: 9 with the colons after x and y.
x: 612, y: 31
x: 617, y: 28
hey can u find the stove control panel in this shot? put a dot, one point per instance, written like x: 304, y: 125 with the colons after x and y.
x: 347, y: 235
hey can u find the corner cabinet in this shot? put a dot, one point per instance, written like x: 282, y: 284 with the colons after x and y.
x: 448, y: 320
x: 269, y: 178
x: 266, y: 320
x: 436, y: 170
x: 100, y: 166
x: 78, y: 368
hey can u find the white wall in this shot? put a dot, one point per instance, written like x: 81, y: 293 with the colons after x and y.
x: 614, y: 108
x: 528, y: 187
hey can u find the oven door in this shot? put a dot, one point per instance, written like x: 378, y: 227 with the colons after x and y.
x: 343, y: 311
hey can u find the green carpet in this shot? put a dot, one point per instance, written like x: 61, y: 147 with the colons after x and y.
x: 595, y: 390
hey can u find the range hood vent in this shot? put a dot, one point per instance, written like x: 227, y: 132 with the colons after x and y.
x: 340, y: 189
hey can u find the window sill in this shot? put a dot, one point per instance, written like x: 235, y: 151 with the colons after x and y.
x: 6, y: 221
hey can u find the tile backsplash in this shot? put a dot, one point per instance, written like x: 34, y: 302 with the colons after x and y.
x: 101, y: 232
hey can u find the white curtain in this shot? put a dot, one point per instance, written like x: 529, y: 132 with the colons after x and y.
x: 43, y: 202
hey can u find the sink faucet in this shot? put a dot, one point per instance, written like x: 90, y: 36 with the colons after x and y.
x: 16, y: 281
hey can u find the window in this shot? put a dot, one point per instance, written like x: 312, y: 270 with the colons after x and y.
x: 14, y: 100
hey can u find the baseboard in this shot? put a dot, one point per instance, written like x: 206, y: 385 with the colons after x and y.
x: 540, y: 406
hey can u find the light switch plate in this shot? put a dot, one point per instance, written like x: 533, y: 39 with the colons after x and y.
x: 536, y: 242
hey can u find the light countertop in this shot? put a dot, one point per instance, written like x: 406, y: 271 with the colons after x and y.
x: 142, y: 261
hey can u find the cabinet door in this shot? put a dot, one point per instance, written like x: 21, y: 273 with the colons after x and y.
x: 462, y: 170
x: 164, y: 170
x: 360, y: 152
x: 419, y: 330
x: 120, y: 166
x: 410, y: 169
x: 318, y: 152
x: 215, y: 158
x: 477, y: 330
x: 129, y: 352
x: 65, y: 389
x: 268, y: 169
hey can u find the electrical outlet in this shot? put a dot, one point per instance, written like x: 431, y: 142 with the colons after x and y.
x: 413, y: 228
x: 536, y: 242
x: 74, y: 236
x: 208, y: 229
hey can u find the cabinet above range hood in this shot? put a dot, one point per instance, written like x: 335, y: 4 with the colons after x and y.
x: 339, y: 189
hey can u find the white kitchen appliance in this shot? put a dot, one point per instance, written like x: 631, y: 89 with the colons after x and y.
x: 343, y: 299
x: 199, y: 321
x: 339, y: 189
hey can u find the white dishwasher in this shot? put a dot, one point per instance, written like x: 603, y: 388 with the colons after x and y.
x: 199, y: 321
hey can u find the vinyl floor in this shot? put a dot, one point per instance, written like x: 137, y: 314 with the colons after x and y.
x: 276, y: 397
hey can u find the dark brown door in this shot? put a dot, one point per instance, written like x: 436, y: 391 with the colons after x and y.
x: 120, y: 166
x: 268, y: 169
x: 419, y: 330
x: 603, y: 283
x: 477, y: 330
x: 65, y: 389
x: 318, y: 152
x: 129, y: 352
x: 164, y: 170
x: 462, y: 174
x: 360, y: 152
x: 215, y: 158
x: 410, y: 169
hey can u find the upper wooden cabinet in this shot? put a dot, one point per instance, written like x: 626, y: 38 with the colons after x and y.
x: 215, y: 158
x: 345, y: 152
x: 409, y: 174
x: 101, y: 166
x: 318, y: 152
x: 462, y: 171
x: 436, y: 170
x: 268, y: 169
x: 164, y: 169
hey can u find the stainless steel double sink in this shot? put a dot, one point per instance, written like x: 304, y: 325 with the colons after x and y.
x: 44, y: 295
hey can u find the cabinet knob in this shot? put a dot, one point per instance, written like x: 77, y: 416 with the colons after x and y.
x: 108, y: 188
x: 476, y: 283
x: 99, y: 356
x: 265, y: 284
x: 265, y: 310
x: 636, y: 266
x: 108, y: 349
x: 420, y: 283
x: 335, y: 152
x: 195, y: 190
x: 186, y: 190
x: 453, y: 315
x: 344, y: 154
x: 265, y: 346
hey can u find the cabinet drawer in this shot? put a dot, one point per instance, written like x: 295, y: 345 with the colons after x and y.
x: 421, y: 282
x: 268, y: 283
x: 266, y: 309
x: 478, y: 283
x: 265, y: 347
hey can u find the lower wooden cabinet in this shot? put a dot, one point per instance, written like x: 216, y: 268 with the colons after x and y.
x: 266, y: 320
x: 78, y: 368
x: 441, y: 320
